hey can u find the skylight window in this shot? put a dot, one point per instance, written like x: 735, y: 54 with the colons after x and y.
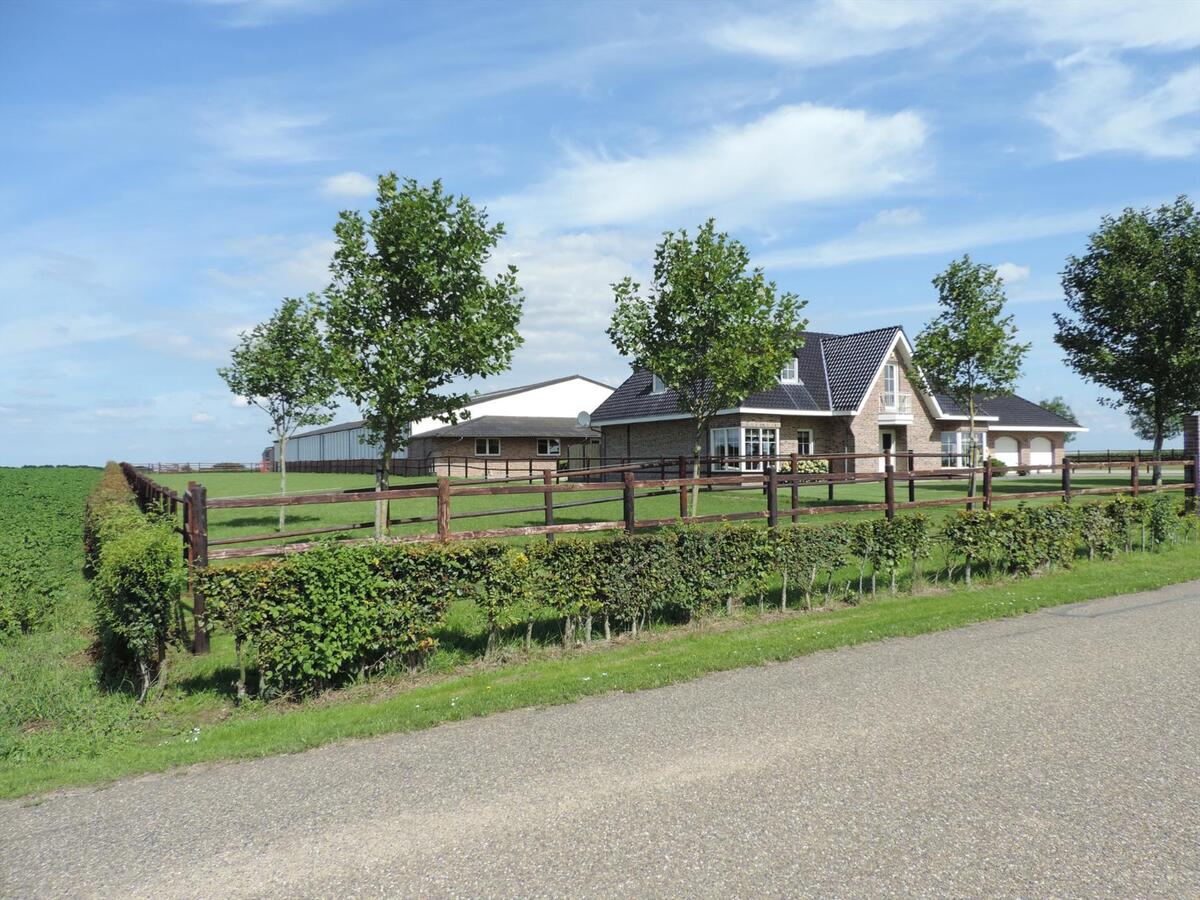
x: 790, y: 373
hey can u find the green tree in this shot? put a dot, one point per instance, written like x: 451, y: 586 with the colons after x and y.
x: 713, y: 329
x: 1060, y: 407
x: 412, y: 310
x: 1135, y: 299
x: 969, y: 351
x: 283, y: 367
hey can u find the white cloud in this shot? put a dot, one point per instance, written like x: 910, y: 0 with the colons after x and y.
x: 903, y: 215
x: 202, y: 418
x: 884, y: 243
x: 57, y: 330
x: 1098, y: 106
x: 257, y: 135
x: 1146, y: 24
x: 239, y: 402
x: 835, y: 30
x: 348, y: 184
x: 253, y: 13
x: 794, y: 154
x: 1012, y: 273
x: 275, y: 265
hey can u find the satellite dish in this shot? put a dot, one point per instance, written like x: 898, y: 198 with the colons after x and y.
x: 584, y: 419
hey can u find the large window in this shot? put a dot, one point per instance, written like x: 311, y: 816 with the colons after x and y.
x: 759, y: 442
x: 724, y: 443
x: 487, y: 446
x: 804, y: 442
x: 549, y: 447
x: 790, y: 373
x: 891, y: 386
x: 956, y: 448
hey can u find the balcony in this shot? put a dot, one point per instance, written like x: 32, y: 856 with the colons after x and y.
x: 895, y: 408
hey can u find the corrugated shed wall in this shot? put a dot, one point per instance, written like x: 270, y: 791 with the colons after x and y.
x: 345, y: 443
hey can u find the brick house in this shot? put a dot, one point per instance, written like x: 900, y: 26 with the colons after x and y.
x: 840, y: 394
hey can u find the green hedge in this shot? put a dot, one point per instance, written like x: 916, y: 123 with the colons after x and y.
x: 137, y: 575
x: 319, y: 616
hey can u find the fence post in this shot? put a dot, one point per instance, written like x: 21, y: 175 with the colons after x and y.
x: 683, y: 491
x: 912, y: 484
x: 987, y: 487
x: 630, y: 518
x: 199, y: 561
x: 1135, y: 475
x: 795, y: 494
x: 772, y: 481
x: 443, y: 508
x: 889, y: 489
x: 1066, y: 480
x: 829, y: 469
x: 548, y: 480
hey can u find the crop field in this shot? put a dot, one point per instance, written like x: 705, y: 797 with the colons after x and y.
x: 242, y: 522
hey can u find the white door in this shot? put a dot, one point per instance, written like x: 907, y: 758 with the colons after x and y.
x: 1005, y: 449
x: 1041, y: 452
x: 887, y: 444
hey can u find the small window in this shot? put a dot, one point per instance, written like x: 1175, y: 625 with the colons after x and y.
x: 724, y: 443
x: 949, y: 449
x: 759, y: 442
x: 548, y: 447
x: 487, y: 446
x: 804, y: 442
x: 658, y: 386
x: 790, y: 373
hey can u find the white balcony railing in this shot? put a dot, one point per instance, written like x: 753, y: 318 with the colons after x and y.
x: 898, y: 403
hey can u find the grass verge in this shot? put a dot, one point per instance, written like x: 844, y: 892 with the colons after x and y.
x: 675, y: 657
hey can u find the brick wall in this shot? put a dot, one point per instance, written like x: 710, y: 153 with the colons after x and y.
x: 1024, y: 441
x: 455, y: 457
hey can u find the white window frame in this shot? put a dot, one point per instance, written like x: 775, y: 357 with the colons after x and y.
x: 811, y: 448
x: 891, y: 374
x: 657, y: 385
x: 763, y: 446
x: 553, y: 447
x: 957, y: 459
x: 726, y: 438
x: 487, y: 446
x: 790, y: 373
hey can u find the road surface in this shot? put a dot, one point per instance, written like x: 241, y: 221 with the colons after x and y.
x: 1053, y: 754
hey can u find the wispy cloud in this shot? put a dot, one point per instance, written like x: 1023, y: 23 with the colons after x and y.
x: 1012, y: 273
x: 795, y: 154
x: 1100, y: 106
x: 255, y: 134
x: 255, y: 13
x: 872, y: 242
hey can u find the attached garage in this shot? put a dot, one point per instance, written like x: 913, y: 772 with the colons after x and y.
x: 1041, y: 452
x: 1007, y: 451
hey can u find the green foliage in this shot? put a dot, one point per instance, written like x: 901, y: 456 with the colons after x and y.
x: 1163, y: 519
x: 283, y: 367
x: 42, y: 520
x: 138, y: 576
x: 999, y: 467
x: 712, y: 328
x: 639, y: 575
x: 412, y: 310
x: 805, y: 465
x: 1097, y: 531
x: 323, y: 615
x: 1134, y: 296
x: 1060, y: 407
x: 969, y: 351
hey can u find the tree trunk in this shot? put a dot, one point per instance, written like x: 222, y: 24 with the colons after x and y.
x: 783, y: 594
x: 696, y: 449
x: 528, y: 635
x: 241, y: 664
x: 587, y: 629
x: 1159, y: 429
x: 382, y: 480
x: 607, y: 630
x: 971, y: 445
x: 282, y: 478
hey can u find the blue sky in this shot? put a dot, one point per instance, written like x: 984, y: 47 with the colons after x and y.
x: 171, y: 169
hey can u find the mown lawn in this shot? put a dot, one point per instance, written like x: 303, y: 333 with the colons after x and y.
x: 239, y: 522
x: 60, y: 726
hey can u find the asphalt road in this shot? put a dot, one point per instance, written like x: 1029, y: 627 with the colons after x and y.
x: 1053, y: 755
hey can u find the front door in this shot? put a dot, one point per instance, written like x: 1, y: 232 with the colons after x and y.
x: 887, y: 444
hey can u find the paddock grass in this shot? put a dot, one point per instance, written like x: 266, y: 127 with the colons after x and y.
x: 243, y: 522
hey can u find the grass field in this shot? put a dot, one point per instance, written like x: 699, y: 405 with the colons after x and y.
x: 239, y: 522
x: 60, y: 726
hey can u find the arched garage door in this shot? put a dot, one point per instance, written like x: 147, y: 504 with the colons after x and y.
x: 1041, y: 452
x: 1005, y: 449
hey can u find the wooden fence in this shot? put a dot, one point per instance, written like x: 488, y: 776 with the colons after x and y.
x: 637, y: 480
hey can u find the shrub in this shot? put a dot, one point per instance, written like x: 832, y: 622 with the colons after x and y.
x: 972, y: 535
x: 1163, y: 519
x: 999, y: 467
x: 138, y: 576
x: 1097, y: 531
x: 639, y: 575
x: 805, y: 465
x: 565, y: 579
x: 333, y: 611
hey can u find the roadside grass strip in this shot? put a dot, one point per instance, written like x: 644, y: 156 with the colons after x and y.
x: 665, y: 656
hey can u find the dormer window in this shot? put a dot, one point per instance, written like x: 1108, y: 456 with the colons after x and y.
x: 790, y: 373
x: 658, y: 386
